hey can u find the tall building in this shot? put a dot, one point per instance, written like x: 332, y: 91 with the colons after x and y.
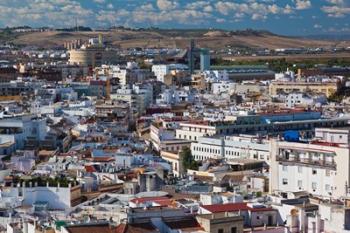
x: 191, y: 52
x: 204, y: 59
x: 160, y: 71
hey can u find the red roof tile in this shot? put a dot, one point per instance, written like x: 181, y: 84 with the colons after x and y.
x: 232, y: 207
x: 101, y: 159
x: 184, y: 224
x: 90, y: 168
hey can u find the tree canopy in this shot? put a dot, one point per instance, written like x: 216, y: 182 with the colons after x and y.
x: 188, y: 161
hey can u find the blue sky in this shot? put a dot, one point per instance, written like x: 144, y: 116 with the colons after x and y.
x: 289, y: 17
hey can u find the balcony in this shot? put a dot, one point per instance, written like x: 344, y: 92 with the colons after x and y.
x: 307, y: 161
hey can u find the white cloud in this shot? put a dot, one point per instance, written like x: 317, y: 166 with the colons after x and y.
x: 287, y: 9
x: 336, y: 2
x: 336, y: 11
x: 220, y: 20
x: 302, y: 4
x: 99, y: 1
x: 256, y: 10
x: 208, y: 8
x: 61, y: 13
x: 165, y: 5
x: 147, y: 7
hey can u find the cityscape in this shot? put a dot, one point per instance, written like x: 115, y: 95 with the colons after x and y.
x: 174, y: 116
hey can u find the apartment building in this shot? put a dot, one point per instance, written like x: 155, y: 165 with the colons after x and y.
x: 137, y: 97
x: 256, y: 124
x: 195, y: 130
x: 326, y: 87
x: 320, y: 167
x: 24, y: 128
x: 230, y: 147
x: 160, y: 71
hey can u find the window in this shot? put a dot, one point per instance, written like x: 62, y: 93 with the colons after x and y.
x: 284, y: 181
x: 328, y: 172
x: 233, y: 229
x: 314, y: 185
x: 221, y: 231
x: 327, y: 187
x: 314, y: 171
x: 300, y: 169
x: 300, y: 183
x: 284, y: 168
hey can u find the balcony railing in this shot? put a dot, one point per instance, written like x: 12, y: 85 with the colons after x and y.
x: 308, y: 161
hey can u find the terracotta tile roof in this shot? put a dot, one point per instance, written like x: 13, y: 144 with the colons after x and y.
x: 136, y: 228
x: 121, y: 228
x: 101, y: 159
x: 90, y: 168
x: 230, y: 207
x: 168, y: 202
x: 184, y: 224
x: 233, y: 207
x: 105, y: 228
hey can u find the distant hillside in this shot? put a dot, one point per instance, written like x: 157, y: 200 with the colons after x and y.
x: 147, y: 38
x: 329, y: 37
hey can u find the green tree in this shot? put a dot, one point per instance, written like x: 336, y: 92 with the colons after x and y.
x: 188, y: 161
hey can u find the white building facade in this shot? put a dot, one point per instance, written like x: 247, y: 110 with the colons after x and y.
x: 321, y: 168
x: 234, y: 147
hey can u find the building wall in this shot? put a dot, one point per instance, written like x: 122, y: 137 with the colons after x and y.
x: 326, y: 88
x: 57, y: 197
x: 261, y: 218
x: 333, y: 135
x: 312, y: 177
x: 160, y: 71
x: 220, y: 222
x: 207, y: 147
x: 175, y: 161
x: 193, y: 131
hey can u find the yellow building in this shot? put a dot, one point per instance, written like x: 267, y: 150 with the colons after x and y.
x: 92, y: 56
x: 327, y: 88
x: 177, y: 78
x: 198, y: 82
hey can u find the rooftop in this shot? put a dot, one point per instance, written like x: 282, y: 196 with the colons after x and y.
x: 234, y: 207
